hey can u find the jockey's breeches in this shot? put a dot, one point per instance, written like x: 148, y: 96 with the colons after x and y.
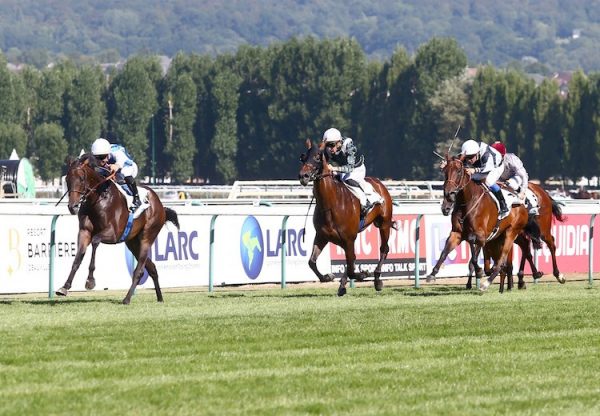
x: 130, y: 170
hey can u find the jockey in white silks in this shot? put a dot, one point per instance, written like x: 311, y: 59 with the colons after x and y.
x: 350, y: 168
x: 485, y: 166
x: 115, y: 158
x: 515, y: 175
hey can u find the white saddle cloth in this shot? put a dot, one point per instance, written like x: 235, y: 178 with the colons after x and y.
x: 143, y: 192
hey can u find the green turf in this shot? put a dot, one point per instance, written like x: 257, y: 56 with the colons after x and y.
x: 437, y: 350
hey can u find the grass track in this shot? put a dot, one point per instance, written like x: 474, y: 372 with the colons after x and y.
x: 437, y: 350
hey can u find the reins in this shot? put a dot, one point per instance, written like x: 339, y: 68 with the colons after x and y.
x: 85, y: 193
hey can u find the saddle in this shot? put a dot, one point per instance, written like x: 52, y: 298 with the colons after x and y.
x: 143, y: 193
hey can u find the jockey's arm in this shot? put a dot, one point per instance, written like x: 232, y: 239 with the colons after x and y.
x: 120, y: 160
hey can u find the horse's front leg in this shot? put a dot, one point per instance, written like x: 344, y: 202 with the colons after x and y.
x: 452, y: 241
x: 90, y: 283
x: 499, y: 263
x: 318, y: 246
x: 83, y: 240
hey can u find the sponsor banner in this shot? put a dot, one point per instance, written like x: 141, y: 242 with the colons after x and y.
x: 572, y: 240
x: 180, y: 256
x: 400, y: 261
x: 248, y: 250
x: 24, y: 248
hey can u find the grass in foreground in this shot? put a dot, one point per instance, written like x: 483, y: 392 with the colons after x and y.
x: 438, y: 350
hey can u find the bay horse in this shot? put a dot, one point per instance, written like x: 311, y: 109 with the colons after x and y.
x: 337, y: 216
x: 103, y: 216
x: 549, y: 210
x: 475, y: 220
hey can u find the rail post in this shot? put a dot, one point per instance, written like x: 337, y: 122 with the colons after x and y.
x: 211, y: 253
x: 417, y: 250
x: 51, y: 255
x: 283, y: 249
x: 591, y: 252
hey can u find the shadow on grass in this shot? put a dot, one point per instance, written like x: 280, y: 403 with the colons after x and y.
x: 436, y: 291
x: 60, y: 302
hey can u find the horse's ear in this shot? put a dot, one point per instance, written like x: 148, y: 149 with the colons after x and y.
x: 69, y: 160
x: 308, y: 143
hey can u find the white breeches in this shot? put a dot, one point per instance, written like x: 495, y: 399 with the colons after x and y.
x: 491, y: 177
x: 129, y: 170
x: 368, y: 194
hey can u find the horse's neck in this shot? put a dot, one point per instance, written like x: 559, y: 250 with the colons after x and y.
x: 325, y: 190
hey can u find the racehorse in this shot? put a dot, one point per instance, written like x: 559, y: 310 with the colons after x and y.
x: 475, y: 219
x: 337, y: 216
x: 103, y: 217
x: 549, y: 209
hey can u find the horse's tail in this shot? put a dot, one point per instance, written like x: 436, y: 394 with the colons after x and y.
x: 557, y: 210
x: 172, y: 216
x: 532, y: 229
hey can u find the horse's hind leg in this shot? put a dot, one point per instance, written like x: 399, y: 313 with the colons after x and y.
x: 350, y: 259
x: 133, y: 246
x: 549, y: 240
x: 141, y: 254
x: 90, y: 283
x: 83, y: 240
x: 318, y: 246
x: 151, y: 268
x: 384, y: 249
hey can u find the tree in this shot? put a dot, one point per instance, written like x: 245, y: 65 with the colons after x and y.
x: 84, y: 108
x: 12, y: 136
x: 224, y: 144
x: 133, y: 102
x: 181, y: 147
x: 51, y: 150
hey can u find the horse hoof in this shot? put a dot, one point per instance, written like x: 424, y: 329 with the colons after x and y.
x: 561, y: 279
x: 538, y: 275
x: 484, y: 286
x: 327, y: 278
x: 522, y: 286
x: 126, y: 301
x: 430, y: 279
x: 62, y: 292
x: 90, y: 284
x: 378, y: 285
x: 341, y: 291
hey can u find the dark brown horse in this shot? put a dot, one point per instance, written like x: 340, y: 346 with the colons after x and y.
x: 475, y: 220
x: 103, y: 214
x: 337, y: 216
x: 549, y: 209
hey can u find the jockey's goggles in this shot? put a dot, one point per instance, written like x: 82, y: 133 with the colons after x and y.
x: 101, y: 157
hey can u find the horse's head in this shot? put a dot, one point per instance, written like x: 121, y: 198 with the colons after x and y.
x: 455, y: 179
x: 313, y: 163
x: 79, y: 179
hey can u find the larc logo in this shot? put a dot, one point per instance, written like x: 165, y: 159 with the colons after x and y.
x: 251, y: 247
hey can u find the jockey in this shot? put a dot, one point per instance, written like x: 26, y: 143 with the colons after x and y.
x: 486, y: 165
x: 514, y: 172
x: 350, y: 167
x: 115, y: 158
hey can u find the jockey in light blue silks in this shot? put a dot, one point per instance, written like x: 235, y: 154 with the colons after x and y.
x: 115, y: 158
x: 350, y: 168
x: 485, y: 166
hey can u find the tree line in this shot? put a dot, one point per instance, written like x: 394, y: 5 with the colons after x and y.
x: 246, y: 115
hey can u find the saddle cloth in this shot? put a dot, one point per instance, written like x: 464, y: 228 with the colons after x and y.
x: 512, y: 199
x: 124, y: 189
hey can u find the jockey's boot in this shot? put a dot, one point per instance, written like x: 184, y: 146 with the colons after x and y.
x: 502, y: 202
x: 130, y: 181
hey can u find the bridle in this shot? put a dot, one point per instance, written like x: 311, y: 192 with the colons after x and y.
x: 87, y: 190
x: 459, y: 185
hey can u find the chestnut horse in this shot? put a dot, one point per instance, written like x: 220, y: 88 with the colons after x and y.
x: 103, y: 217
x: 549, y: 209
x: 475, y: 219
x: 337, y: 216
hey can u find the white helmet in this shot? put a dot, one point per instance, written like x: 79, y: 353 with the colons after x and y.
x: 332, y: 135
x: 100, y: 147
x: 469, y: 148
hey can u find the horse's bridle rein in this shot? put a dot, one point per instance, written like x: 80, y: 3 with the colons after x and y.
x: 460, y: 187
x: 86, y: 189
